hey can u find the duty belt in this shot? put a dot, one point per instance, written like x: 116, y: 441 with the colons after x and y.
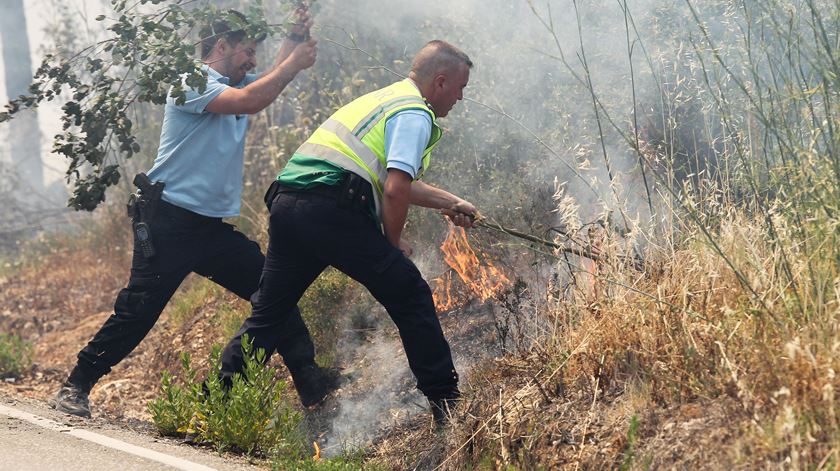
x: 353, y: 192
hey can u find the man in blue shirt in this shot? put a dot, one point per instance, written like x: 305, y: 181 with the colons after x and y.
x: 200, y: 161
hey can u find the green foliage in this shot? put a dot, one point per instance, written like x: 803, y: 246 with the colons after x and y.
x: 251, y: 417
x: 15, y: 355
x: 174, y: 409
x: 173, y: 412
x: 148, y: 50
x: 629, y: 449
x: 322, y: 308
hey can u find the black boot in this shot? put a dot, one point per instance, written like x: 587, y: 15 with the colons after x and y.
x: 443, y: 409
x: 314, y: 383
x: 72, y: 399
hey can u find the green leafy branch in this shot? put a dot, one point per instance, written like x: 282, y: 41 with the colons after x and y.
x: 147, y: 55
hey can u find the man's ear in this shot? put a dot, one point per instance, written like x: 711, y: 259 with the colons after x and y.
x: 221, y: 46
x: 439, y: 81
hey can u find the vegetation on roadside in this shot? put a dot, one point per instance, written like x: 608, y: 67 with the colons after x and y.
x: 15, y: 355
x: 250, y: 417
x: 253, y: 416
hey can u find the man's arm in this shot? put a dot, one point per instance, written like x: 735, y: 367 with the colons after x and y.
x: 256, y: 96
x: 400, y: 191
x: 461, y: 212
x: 396, y: 197
x: 406, y: 136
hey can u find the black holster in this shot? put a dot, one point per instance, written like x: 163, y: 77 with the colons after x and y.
x: 141, y: 208
x: 272, y: 192
x: 356, y: 193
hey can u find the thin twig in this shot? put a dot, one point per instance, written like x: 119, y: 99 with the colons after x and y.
x: 531, y: 238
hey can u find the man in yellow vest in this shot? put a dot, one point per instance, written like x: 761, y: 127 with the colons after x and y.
x: 357, y: 171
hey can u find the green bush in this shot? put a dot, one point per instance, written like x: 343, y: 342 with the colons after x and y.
x: 171, y: 413
x: 15, y: 355
x: 251, y: 417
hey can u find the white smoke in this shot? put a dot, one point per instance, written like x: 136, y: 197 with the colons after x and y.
x: 363, y: 414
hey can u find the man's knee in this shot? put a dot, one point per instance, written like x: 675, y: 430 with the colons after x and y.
x: 406, y: 285
x: 139, y: 299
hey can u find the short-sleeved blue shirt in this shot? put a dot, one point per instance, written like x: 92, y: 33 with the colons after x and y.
x: 200, y: 157
x: 407, y: 135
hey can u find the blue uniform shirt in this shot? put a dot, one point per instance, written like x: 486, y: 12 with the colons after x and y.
x: 407, y: 135
x: 200, y: 158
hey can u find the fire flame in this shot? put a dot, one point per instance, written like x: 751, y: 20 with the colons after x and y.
x: 480, y: 280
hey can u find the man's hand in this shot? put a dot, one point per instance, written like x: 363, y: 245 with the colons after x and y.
x: 299, y: 30
x: 462, y: 213
x: 406, y: 248
x: 298, y: 33
x: 303, y: 56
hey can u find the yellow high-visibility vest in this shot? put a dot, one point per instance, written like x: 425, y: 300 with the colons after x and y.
x: 353, y: 138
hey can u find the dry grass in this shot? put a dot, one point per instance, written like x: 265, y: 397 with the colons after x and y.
x: 62, y: 288
x: 722, y: 352
x: 713, y: 380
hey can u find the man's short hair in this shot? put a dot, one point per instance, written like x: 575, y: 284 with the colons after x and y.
x: 221, y: 29
x: 435, y: 57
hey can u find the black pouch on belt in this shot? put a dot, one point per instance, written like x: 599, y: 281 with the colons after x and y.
x: 271, y: 193
x: 353, y: 194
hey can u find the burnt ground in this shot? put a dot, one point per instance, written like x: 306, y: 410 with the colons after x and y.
x: 60, y: 303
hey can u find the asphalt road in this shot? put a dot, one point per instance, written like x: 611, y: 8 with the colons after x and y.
x: 35, y: 437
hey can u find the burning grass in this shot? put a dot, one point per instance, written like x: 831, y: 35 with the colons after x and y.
x: 476, y: 279
x: 730, y: 330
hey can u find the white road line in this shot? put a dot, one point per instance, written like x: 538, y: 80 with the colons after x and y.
x: 109, y: 442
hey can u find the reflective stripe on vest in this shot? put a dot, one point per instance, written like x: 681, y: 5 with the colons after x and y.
x: 366, y: 124
x: 364, y: 163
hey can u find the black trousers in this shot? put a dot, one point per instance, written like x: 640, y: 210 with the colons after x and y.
x: 308, y: 232
x: 185, y: 242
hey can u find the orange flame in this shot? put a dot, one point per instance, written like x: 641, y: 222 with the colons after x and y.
x: 480, y: 280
